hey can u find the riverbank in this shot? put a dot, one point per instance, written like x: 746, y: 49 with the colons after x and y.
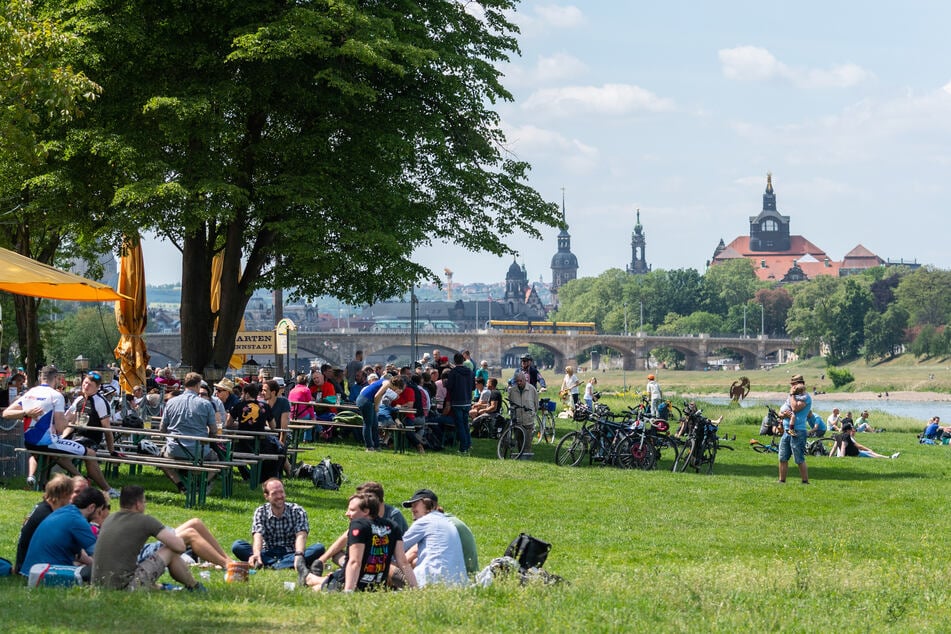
x: 843, y: 396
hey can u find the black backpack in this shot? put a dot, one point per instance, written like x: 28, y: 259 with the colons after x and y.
x: 528, y: 551
x: 327, y: 475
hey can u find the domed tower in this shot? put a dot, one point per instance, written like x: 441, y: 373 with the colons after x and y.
x: 564, y: 264
x: 638, y: 264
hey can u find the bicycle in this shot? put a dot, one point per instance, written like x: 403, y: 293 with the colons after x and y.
x: 545, y: 421
x: 601, y: 441
x: 816, y: 446
x: 759, y: 447
x: 512, y: 436
x: 700, y: 450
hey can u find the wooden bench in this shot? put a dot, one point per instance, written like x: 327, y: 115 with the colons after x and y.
x: 195, y: 475
x: 299, y: 426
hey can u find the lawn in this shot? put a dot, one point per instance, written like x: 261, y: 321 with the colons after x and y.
x: 859, y: 549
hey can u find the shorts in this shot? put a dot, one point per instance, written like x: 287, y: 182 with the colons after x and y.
x: 147, y: 573
x: 335, y: 581
x: 60, y: 445
x: 793, y: 445
x: 86, y: 441
x: 176, y: 451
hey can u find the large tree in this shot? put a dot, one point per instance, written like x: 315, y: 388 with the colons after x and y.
x: 40, y: 95
x: 316, y: 143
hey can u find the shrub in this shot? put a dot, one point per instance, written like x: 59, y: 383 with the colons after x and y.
x: 840, y: 376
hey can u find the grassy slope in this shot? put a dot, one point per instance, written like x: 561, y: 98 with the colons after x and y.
x: 858, y: 549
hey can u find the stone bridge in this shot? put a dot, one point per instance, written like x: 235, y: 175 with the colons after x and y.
x: 497, y: 347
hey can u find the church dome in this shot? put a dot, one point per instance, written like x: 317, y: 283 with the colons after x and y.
x: 564, y: 260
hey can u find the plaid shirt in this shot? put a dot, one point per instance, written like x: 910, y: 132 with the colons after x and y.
x: 280, y: 531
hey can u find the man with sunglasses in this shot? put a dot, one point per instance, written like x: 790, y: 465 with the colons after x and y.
x: 92, y: 413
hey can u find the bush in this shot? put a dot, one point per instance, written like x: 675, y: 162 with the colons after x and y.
x: 840, y: 376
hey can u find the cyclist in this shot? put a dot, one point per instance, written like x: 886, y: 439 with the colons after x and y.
x: 528, y: 368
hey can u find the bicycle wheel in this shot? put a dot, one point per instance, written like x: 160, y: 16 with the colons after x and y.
x: 635, y: 451
x: 571, y: 450
x: 760, y: 448
x: 708, y: 457
x: 510, y: 443
x: 545, y: 427
x: 667, y: 452
x: 686, y: 458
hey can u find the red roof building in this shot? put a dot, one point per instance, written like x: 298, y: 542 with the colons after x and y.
x: 780, y: 257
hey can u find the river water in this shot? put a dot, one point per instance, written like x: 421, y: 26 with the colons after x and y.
x: 920, y: 410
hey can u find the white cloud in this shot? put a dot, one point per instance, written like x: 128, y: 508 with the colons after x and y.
x: 559, y: 16
x: 558, y: 66
x: 545, y: 18
x: 609, y: 99
x: 535, y: 144
x: 752, y: 63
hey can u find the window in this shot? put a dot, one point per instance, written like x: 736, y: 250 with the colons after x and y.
x: 769, y: 225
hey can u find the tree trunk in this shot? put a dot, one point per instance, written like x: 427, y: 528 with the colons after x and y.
x: 28, y: 334
x: 197, y: 320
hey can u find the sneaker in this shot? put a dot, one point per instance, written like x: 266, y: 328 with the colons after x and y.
x: 317, y: 568
x: 896, y: 454
x: 302, y: 571
x: 199, y: 587
x: 113, y: 494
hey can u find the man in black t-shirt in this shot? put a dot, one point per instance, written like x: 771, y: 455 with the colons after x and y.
x: 373, y: 545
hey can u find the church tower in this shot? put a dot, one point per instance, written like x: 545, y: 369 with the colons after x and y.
x: 564, y: 264
x: 638, y: 264
x: 769, y: 231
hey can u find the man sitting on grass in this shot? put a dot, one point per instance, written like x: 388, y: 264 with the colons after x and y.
x: 121, y: 539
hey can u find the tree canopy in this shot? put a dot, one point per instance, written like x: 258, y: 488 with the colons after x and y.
x: 316, y: 144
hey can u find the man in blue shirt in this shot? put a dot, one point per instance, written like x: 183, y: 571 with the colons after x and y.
x: 65, y: 536
x: 793, y: 442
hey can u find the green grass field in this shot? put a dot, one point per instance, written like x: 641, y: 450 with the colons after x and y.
x: 859, y: 549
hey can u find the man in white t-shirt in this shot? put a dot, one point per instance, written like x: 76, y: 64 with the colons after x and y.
x: 43, y: 410
x: 432, y: 543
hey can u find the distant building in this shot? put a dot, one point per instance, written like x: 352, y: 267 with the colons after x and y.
x: 564, y: 264
x: 779, y: 256
x: 638, y: 265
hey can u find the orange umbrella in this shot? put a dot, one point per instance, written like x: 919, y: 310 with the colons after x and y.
x: 217, y: 265
x: 23, y: 276
x: 131, y: 316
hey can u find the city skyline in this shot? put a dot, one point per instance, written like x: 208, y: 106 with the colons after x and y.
x: 680, y: 109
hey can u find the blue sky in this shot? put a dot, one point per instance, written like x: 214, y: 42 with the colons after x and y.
x: 681, y: 108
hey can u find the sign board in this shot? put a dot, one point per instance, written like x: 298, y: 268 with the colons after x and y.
x: 286, y: 337
x: 255, y: 342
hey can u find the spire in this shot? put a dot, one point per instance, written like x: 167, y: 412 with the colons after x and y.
x: 769, y: 182
x: 564, y: 216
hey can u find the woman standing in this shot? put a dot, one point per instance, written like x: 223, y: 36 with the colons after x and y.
x: 569, y: 385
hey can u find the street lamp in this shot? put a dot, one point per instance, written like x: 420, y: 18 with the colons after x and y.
x: 744, y: 321
x: 81, y: 364
x: 762, y: 320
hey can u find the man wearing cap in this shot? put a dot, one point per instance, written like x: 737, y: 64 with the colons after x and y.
x: 92, y: 413
x: 529, y: 369
x: 224, y: 391
x: 654, y: 394
x: 793, y: 442
x: 43, y: 410
x: 434, y: 543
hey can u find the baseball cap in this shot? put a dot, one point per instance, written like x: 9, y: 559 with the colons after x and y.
x: 421, y: 494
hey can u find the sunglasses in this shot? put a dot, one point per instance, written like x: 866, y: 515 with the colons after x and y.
x: 95, y: 376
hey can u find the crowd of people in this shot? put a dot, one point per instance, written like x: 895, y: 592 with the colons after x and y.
x: 74, y: 525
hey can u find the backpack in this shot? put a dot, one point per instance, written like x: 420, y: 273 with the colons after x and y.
x: 327, y: 475
x: 528, y: 551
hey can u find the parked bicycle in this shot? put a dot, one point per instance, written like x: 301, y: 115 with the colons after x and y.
x: 702, y: 441
x: 597, y: 440
x: 545, y: 421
